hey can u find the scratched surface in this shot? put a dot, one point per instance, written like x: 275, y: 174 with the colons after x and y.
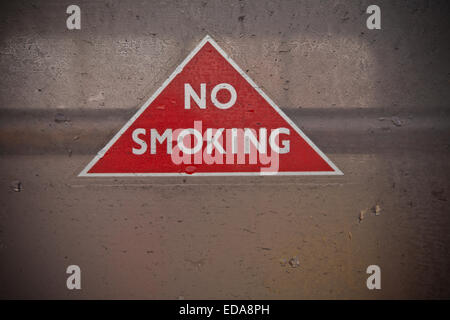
x: 375, y: 102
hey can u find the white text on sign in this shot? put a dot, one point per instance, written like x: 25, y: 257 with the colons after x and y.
x: 219, y: 145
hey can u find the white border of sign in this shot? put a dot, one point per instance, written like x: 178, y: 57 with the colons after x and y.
x: 206, y: 39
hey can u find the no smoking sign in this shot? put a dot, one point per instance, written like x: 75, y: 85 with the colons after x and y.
x: 209, y: 119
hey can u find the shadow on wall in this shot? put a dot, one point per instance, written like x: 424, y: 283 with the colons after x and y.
x: 317, y: 60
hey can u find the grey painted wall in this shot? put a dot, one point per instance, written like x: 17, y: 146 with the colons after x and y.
x: 309, y: 54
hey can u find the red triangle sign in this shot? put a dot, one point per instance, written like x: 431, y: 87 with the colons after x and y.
x: 209, y: 119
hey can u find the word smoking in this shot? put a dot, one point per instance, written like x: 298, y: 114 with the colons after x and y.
x: 211, y: 145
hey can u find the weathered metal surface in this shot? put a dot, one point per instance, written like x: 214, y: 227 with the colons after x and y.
x: 376, y: 102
